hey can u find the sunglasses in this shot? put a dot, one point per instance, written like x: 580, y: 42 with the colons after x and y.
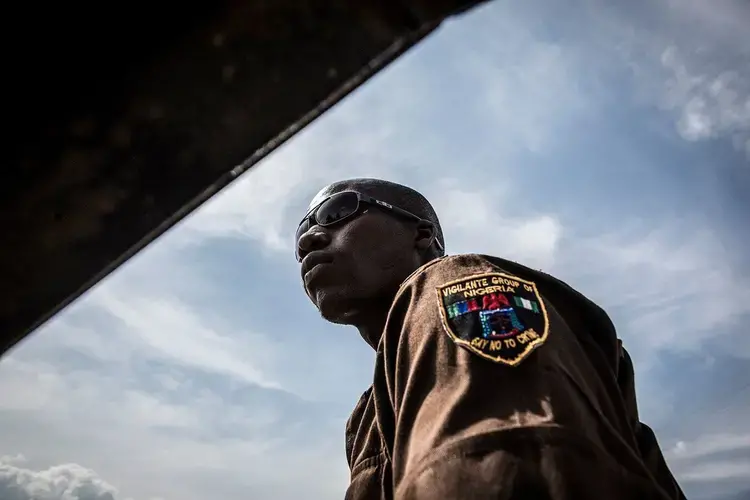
x: 346, y: 205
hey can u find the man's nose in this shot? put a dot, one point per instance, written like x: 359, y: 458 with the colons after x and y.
x: 315, y: 238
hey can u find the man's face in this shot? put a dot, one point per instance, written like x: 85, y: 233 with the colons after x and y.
x: 359, y: 261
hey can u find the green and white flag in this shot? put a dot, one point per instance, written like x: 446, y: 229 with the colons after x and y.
x: 527, y: 304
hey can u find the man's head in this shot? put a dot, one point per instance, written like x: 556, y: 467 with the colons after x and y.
x: 352, y: 267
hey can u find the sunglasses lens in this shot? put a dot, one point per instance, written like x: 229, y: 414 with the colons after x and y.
x: 336, y: 208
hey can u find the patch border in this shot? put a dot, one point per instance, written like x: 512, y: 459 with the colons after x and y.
x: 528, y: 349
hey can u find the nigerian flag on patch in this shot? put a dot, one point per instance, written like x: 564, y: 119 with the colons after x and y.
x: 527, y: 304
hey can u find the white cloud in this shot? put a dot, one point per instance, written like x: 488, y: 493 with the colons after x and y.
x: 675, y: 280
x: 15, y: 375
x: 59, y: 482
x: 145, y: 312
x: 688, y: 58
x: 474, y: 223
x: 717, y: 471
x: 529, y: 91
x: 188, y: 446
x: 169, y: 329
x: 254, y: 209
x: 712, y: 458
x: 709, y: 445
x: 709, y: 103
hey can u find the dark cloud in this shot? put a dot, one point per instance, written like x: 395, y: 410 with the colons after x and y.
x: 59, y: 482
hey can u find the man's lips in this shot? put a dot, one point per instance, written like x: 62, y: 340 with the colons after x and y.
x: 315, y: 272
x: 314, y: 262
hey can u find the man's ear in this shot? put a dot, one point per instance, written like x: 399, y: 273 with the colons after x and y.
x: 425, y: 235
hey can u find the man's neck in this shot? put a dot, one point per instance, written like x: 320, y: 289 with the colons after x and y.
x: 371, y: 325
x: 372, y: 315
x: 371, y: 334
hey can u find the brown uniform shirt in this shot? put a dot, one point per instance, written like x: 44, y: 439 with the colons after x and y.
x: 495, y: 381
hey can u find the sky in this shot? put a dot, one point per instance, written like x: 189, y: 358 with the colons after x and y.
x: 607, y: 143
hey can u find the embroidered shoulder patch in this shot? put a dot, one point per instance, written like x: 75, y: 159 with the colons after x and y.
x: 494, y: 315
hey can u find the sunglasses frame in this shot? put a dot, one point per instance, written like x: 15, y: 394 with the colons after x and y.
x: 361, y: 198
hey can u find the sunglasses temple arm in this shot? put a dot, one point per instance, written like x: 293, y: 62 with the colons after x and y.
x: 419, y: 219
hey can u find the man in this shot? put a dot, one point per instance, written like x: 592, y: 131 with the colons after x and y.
x: 492, y: 380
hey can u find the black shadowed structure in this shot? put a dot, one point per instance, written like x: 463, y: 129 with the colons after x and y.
x: 122, y: 117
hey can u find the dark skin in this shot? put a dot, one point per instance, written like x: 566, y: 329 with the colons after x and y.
x: 351, y: 271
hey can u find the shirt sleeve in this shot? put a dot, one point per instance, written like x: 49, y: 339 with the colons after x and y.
x: 484, y: 393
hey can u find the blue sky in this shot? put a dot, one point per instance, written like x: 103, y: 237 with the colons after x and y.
x: 607, y: 143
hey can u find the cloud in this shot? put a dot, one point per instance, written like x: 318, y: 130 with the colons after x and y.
x: 530, y: 94
x: 475, y: 223
x: 59, y: 482
x: 709, y: 445
x: 176, y: 441
x: 714, y: 465
x: 718, y: 470
x: 694, y: 66
x: 169, y: 329
x: 676, y: 285
x: 149, y: 311
x: 709, y: 102
x: 723, y: 22
x: 199, y: 370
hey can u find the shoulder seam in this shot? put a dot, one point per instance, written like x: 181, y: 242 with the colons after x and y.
x: 420, y: 269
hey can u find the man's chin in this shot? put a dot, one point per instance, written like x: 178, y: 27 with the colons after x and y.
x: 333, y: 307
